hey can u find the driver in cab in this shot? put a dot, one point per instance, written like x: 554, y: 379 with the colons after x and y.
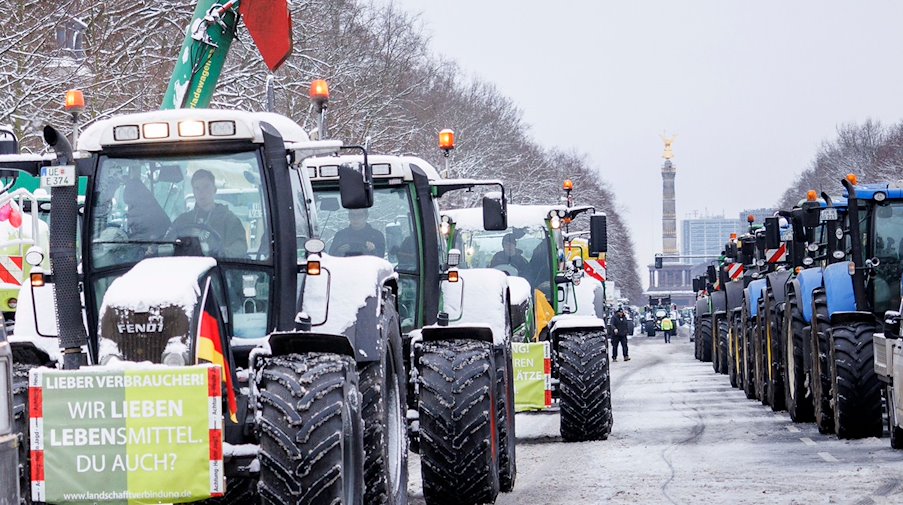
x: 213, y: 218
x: 359, y: 238
x: 510, y: 255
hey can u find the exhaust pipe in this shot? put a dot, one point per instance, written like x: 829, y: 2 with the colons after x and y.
x: 64, y: 202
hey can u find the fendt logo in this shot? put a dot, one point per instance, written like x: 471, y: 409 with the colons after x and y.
x: 132, y: 328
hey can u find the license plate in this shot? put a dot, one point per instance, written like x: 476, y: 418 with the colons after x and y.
x: 829, y: 214
x: 58, y: 176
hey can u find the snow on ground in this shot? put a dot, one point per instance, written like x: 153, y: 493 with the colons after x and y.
x: 682, y: 435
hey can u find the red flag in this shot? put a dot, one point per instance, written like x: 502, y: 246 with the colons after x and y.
x: 270, y: 25
x: 211, y: 345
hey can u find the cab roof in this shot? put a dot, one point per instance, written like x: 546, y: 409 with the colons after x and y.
x: 383, y: 166
x: 891, y: 190
x: 519, y: 216
x: 100, y: 134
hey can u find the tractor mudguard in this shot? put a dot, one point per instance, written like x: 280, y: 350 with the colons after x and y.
x: 36, y: 338
x: 839, y: 288
x: 753, y: 293
x: 290, y: 342
x: 719, y: 301
x: 346, y: 300
x: 479, y: 303
x: 435, y: 333
x: 702, y: 307
x: 734, y: 293
x: 805, y: 283
x: 778, y: 283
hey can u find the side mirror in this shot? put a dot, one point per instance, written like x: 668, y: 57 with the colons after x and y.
x: 796, y: 223
x: 696, y: 284
x: 356, y: 187
x: 598, y: 234
x: 495, y: 212
x: 811, y: 214
x: 711, y: 273
x: 772, y: 233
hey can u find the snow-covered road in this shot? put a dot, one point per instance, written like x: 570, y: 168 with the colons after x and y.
x: 682, y: 435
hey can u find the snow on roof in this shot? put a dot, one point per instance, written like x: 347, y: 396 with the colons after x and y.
x: 484, y: 302
x: 348, y: 283
x: 384, y: 166
x: 247, y: 126
x: 519, y: 216
x: 158, y: 282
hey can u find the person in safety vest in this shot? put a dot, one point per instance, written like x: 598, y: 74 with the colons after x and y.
x: 668, y: 328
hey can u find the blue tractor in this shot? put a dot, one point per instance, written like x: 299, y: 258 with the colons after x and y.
x: 857, y: 290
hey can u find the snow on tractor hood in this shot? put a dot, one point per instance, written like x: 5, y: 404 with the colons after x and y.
x: 156, y: 282
x: 520, y: 290
x: 351, y: 282
x: 484, y: 301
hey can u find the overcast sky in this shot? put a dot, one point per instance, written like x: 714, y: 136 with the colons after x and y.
x: 750, y: 88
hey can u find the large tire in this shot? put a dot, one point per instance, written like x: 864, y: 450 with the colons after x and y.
x: 585, y: 385
x: 21, y: 426
x: 761, y: 355
x: 796, y: 393
x: 504, y: 379
x: 705, y: 337
x: 896, y: 433
x: 749, y: 356
x: 820, y: 378
x: 775, y: 387
x: 383, y: 387
x: 310, y: 429
x: 856, y: 389
x: 733, y: 363
x: 458, y: 430
x: 723, y: 334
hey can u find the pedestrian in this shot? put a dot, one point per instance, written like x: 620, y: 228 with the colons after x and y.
x: 668, y: 328
x: 618, y: 327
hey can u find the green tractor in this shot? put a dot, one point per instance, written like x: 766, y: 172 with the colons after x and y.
x: 569, y: 299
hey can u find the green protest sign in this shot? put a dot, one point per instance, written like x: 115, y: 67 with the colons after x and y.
x: 532, y: 374
x: 135, y: 436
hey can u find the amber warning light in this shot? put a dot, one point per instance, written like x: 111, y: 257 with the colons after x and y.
x: 568, y: 185
x: 319, y: 91
x: 853, y: 179
x: 811, y: 195
x: 75, y: 100
x: 447, y: 140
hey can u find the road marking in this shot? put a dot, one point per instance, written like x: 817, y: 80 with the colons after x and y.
x: 827, y: 457
x: 808, y: 441
x: 793, y: 429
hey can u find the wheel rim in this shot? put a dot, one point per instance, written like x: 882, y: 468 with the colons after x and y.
x: 395, y: 428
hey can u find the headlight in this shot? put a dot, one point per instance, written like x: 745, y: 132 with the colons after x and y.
x: 808, y: 261
x: 12, y: 303
x: 880, y: 196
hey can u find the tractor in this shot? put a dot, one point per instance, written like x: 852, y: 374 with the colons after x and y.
x: 441, y: 326
x: 159, y: 259
x: 568, y: 306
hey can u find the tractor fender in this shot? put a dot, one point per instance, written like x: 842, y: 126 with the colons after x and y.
x: 480, y: 303
x: 839, y: 288
x: 734, y: 293
x: 570, y: 322
x: 36, y: 338
x: 753, y: 293
x: 805, y: 284
x: 346, y: 301
x: 719, y: 301
x: 702, y: 307
x: 778, y: 283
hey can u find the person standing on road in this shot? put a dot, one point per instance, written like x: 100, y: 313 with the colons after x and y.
x: 668, y: 328
x: 618, y: 325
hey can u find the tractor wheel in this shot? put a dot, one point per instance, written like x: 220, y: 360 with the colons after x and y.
x: 723, y: 335
x: 310, y: 429
x: 749, y: 359
x: 732, y: 351
x: 820, y: 378
x: 21, y: 425
x: 705, y: 337
x: 896, y: 432
x: 504, y: 379
x: 383, y: 387
x: 458, y: 430
x: 761, y: 355
x: 796, y: 397
x: 856, y: 389
x: 775, y: 388
x: 585, y: 386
